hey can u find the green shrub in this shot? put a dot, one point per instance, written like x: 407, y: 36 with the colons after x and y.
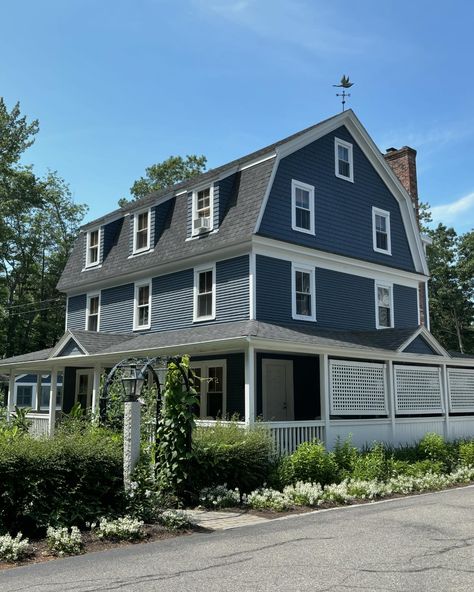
x: 68, y: 479
x: 345, y: 456
x: 466, y: 453
x: 416, y: 469
x: 374, y: 464
x: 309, y: 463
x: 227, y: 453
x: 433, y: 447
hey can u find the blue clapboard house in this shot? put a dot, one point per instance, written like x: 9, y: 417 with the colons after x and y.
x: 295, y: 277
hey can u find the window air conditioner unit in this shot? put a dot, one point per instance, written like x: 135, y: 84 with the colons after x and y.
x: 202, y: 224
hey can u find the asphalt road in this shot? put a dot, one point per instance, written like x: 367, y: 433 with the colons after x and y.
x: 417, y: 543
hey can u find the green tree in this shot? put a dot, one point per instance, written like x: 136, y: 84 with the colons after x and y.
x: 165, y: 174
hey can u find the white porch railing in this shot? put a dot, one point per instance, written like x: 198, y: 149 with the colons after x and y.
x: 288, y: 435
x: 40, y: 424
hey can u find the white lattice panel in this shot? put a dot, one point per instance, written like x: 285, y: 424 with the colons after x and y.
x: 461, y: 390
x: 418, y: 390
x: 357, y: 388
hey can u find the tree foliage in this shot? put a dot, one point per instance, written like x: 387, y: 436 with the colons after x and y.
x: 38, y: 223
x: 167, y: 173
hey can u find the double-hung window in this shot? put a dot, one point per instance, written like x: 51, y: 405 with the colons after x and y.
x: 141, y: 231
x: 142, y: 315
x: 210, y: 385
x: 202, y: 210
x: 302, y: 207
x: 93, y: 312
x: 205, y: 293
x: 381, y: 231
x: 92, y: 248
x: 384, y: 306
x: 343, y: 160
x: 303, y: 293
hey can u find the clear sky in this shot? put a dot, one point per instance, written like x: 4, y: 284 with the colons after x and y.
x: 119, y: 85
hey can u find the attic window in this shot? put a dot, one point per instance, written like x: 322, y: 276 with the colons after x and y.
x: 141, y: 231
x: 202, y: 210
x: 343, y: 160
x: 302, y: 207
x: 92, y: 248
x: 381, y: 231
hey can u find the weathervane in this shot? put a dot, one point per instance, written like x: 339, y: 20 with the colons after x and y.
x: 345, y: 83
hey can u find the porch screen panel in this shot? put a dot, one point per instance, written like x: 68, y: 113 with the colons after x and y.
x: 461, y: 390
x: 418, y: 390
x: 357, y: 388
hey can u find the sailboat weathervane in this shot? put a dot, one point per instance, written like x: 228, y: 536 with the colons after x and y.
x: 345, y: 83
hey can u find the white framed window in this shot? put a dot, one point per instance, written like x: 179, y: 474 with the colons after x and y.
x: 141, y: 231
x: 205, y: 293
x: 302, y: 207
x: 142, y: 308
x: 383, y: 306
x: 343, y: 160
x: 25, y: 395
x: 303, y: 292
x: 381, y: 231
x: 93, y: 312
x: 93, y: 247
x: 202, y: 210
x: 45, y: 393
x: 210, y: 385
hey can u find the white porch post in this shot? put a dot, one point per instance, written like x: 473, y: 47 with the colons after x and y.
x: 324, y: 395
x: 445, y: 394
x: 11, y: 394
x: 391, y: 398
x: 96, y: 391
x: 39, y: 381
x: 52, y: 402
x: 250, y: 385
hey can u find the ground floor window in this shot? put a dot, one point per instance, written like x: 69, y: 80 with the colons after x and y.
x: 210, y: 385
x: 24, y: 395
x: 44, y: 396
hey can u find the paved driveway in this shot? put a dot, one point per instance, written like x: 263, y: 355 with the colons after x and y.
x: 418, y: 543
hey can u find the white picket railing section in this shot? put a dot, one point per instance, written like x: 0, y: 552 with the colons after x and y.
x: 288, y: 435
x: 40, y: 424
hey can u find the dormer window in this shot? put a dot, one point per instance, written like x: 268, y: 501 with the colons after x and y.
x: 92, y: 248
x: 343, y: 160
x: 202, y: 210
x: 141, y: 231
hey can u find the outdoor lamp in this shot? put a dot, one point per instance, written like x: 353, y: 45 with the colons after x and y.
x: 132, y: 382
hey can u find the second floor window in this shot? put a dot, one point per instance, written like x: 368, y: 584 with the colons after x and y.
x: 381, y: 231
x: 141, y: 235
x: 142, y: 306
x: 93, y: 309
x: 302, y: 204
x: 384, y: 306
x: 343, y: 158
x: 92, y: 254
x: 204, y: 294
x: 202, y: 210
x: 303, y: 293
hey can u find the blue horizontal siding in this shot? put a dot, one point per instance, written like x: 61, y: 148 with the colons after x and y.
x: 76, y: 312
x: 116, y: 309
x: 343, y: 301
x: 232, y: 298
x: 111, y: 233
x: 420, y: 346
x: 343, y: 210
x: 172, y: 301
x: 70, y: 349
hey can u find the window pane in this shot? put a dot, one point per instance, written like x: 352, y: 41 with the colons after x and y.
x: 383, y: 296
x: 24, y: 396
x: 214, y: 405
x: 204, y: 305
x: 92, y: 323
x: 384, y: 316
x: 303, y: 219
x: 143, y: 316
x: 303, y: 304
x: 302, y: 198
x: 380, y: 223
x: 142, y: 221
x: 44, y: 397
x: 343, y: 153
x: 344, y: 168
x: 94, y: 305
x: 381, y: 240
x: 94, y: 238
x: 143, y: 295
x: 303, y: 283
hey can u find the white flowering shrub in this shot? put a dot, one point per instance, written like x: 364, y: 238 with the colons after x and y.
x: 13, y: 548
x: 219, y: 497
x: 267, y: 499
x: 304, y: 494
x: 62, y: 541
x: 175, y: 520
x: 120, y: 529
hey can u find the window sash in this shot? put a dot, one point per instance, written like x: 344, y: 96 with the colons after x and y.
x: 384, y: 306
x: 344, y: 159
x: 205, y: 294
x: 93, y: 314
x: 93, y: 247
x: 142, y: 231
x: 303, y: 294
x: 381, y: 230
x: 142, y: 306
x: 24, y: 395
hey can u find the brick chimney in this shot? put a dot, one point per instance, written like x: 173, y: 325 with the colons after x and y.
x: 403, y: 164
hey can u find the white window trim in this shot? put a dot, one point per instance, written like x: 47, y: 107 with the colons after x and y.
x: 386, y: 215
x: 145, y: 249
x: 310, y: 188
x: 89, y: 297
x: 339, y: 142
x: 34, y: 395
x: 194, y: 209
x: 197, y: 271
x: 138, y: 285
x: 205, y: 365
x: 90, y: 374
x: 90, y: 264
x: 306, y: 269
x: 392, y: 310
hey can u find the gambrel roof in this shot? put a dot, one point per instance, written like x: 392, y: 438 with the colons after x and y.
x: 251, y: 184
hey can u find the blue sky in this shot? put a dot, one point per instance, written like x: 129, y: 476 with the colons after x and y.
x: 118, y: 85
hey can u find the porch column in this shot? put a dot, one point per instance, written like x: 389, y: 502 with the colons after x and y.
x: 39, y: 380
x: 11, y: 394
x: 52, y: 402
x: 96, y: 391
x: 324, y: 395
x: 250, y: 385
x: 445, y: 395
x: 391, y: 398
